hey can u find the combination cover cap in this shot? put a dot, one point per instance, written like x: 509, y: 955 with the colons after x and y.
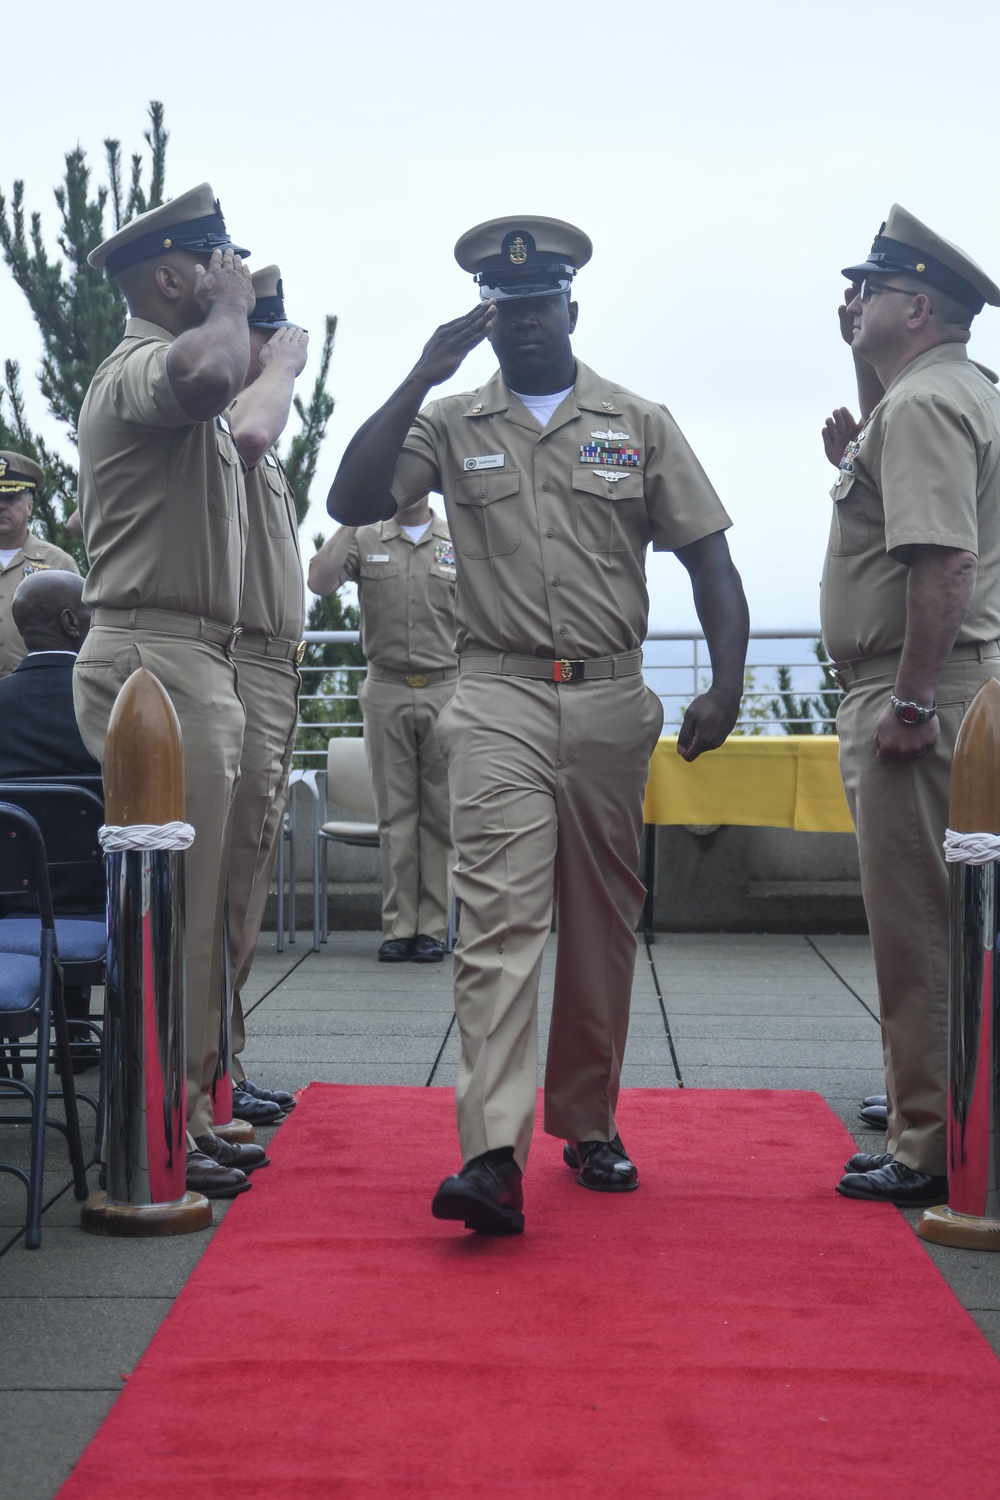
x: 904, y: 244
x: 515, y: 258
x: 191, y: 222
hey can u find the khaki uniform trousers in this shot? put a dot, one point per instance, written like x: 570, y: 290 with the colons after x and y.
x: 546, y: 796
x: 269, y: 689
x: 201, y: 682
x: 900, y: 813
x: 410, y: 785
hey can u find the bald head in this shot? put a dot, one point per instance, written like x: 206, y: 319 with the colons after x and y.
x: 48, y: 611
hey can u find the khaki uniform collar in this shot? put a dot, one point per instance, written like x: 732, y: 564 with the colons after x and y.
x: 940, y: 354
x: 590, y: 393
x: 141, y: 328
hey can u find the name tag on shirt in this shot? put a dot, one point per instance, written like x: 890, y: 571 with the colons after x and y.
x: 485, y: 461
x: 378, y: 557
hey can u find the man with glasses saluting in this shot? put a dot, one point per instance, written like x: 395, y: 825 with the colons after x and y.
x: 911, y: 618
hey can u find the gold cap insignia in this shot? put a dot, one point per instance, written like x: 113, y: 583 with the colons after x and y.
x: 167, y: 244
x: 3, y: 467
x: 518, y: 251
x: 920, y: 266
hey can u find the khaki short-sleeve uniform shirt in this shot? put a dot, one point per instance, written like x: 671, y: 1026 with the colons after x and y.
x: 161, y: 497
x: 406, y: 592
x: 273, y: 598
x: 924, y: 470
x: 550, y: 528
x: 34, y: 556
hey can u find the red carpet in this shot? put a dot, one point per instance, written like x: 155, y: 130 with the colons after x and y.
x: 732, y: 1329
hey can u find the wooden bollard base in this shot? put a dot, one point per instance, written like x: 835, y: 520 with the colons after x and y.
x: 236, y: 1132
x: 99, y: 1215
x: 962, y: 1231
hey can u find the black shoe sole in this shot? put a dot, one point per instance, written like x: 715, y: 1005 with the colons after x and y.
x: 234, y: 1192
x: 394, y: 958
x: 427, y: 958
x: 476, y: 1213
x: 929, y: 1200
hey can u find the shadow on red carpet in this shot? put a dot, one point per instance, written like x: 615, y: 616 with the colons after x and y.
x: 733, y: 1329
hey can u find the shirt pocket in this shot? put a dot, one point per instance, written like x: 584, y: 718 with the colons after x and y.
x: 277, y: 508
x: 609, y: 514
x: 851, y: 532
x: 223, y: 483
x: 487, y: 519
x: 378, y: 583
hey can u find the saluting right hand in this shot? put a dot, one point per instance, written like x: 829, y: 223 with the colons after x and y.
x: 225, y: 280
x: 839, y: 429
x: 449, y: 344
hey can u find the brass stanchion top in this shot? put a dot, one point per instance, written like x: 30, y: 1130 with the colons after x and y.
x: 974, y: 806
x: 144, y: 756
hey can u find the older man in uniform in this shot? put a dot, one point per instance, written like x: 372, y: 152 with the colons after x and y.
x: 405, y: 572
x: 911, y: 616
x: 272, y: 615
x: 555, y: 482
x: 21, y: 552
x: 164, y: 521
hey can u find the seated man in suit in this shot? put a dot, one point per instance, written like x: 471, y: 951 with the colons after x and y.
x: 40, y: 735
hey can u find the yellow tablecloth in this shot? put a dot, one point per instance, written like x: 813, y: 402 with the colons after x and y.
x: 768, y: 781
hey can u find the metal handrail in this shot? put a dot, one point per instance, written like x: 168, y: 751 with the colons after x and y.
x: 753, y: 711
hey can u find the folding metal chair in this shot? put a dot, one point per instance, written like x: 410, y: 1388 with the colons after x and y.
x: 31, y: 1000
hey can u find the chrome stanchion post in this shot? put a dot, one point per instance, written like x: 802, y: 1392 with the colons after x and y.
x: 144, y: 840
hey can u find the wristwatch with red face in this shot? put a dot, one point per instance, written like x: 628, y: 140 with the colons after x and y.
x: 910, y: 712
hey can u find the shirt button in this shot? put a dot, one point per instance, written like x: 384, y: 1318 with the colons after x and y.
x: 555, y: 583
x: 550, y: 532
x: 546, y: 486
x: 564, y: 630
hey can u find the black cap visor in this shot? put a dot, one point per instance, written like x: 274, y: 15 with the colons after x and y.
x: 892, y: 257
x: 198, y: 236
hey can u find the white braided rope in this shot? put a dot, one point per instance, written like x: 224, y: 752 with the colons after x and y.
x: 971, y: 848
x: 146, y: 836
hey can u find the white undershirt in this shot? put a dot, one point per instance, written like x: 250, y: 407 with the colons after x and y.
x: 542, y: 407
x: 7, y: 557
x: 415, y: 532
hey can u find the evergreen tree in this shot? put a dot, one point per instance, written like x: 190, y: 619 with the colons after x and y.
x: 79, y: 311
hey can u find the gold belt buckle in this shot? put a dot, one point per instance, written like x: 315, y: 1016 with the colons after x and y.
x: 300, y: 652
x: 234, y: 640
x: 567, y: 671
x: 417, y: 679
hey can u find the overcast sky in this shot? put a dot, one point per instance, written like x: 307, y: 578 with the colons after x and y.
x: 726, y: 159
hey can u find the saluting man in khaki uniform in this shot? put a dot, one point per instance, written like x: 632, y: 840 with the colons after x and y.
x: 555, y: 482
x: 405, y: 572
x: 21, y: 553
x: 911, y: 616
x: 270, y: 646
x: 164, y: 522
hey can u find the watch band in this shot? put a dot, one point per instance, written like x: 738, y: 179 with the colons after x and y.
x: 912, y: 713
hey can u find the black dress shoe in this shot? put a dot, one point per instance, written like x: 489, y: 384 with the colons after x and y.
x: 244, y: 1158
x: 281, y: 1097
x: 257, y: 1111
x: 895, y: 1184
x: 880, y: 1099
x: 397, y: 950
x: 867, y: 1161
x: 603, y: 1165
x: 205, y: 1176
x: 486, y: 1194
x: 875, y: 1116
x: 427, y: 950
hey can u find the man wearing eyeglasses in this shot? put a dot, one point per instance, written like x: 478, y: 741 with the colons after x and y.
x: 911, y: 618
